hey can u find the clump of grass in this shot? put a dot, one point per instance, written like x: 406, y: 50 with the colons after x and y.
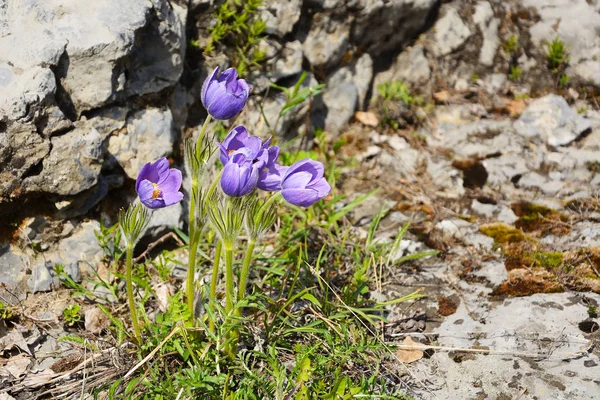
x: 397, y: 104
x: 511, y: 45
x: 558, y: 60
x: 238, y: 26
x: 515, y: 73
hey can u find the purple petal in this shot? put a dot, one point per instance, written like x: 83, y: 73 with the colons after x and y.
x: 322, y: 187
x: 315, y: 168
x: 249, y: 179
x: 300, y: 197
x: 170, y: 182
x: 152, y: 171
x: 297, y: 180
x: 226, y: 106
x: 171, y: 198
x: 242, y: 88
x: 230, y: 180
x: 145, y: 189
x: 207, y: 82
x: 269, y: 179
x: 236, y: 138
x: 230, y: 78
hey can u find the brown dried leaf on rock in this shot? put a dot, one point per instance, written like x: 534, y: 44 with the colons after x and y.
x: 411, y: 352
x: 95, y: 320
x: 367, y: 118
x: 17, y: 365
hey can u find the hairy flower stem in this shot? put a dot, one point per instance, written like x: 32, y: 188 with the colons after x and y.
x: 191, y: 274
x: 134, y: 319
x: 201, y: 135
x: 229, y: 293
x: 215, y: 279
x: 245, y: 269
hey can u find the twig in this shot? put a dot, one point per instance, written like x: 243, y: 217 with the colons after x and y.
x: 156, y: 243
x: 152, y: 353
x: 592, y: 266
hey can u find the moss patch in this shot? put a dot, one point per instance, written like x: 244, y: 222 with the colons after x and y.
x: 502, y: 233
x: 540, y: 219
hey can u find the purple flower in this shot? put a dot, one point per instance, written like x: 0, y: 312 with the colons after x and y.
x: 240, y: 174
x: 303, y: 183
x: 224, y: 96
x: 236, y: 139
x: 158, y: 186
x: 271, y: 174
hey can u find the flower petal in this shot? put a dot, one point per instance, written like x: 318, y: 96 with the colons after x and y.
x: 207, y: 82
x: 226, y: 106
x: 171, y: 181
x: 321, y: 186
x: 315, y: 168
x: 269, y: 179
x: 171, y: 198
x: 248, y: 180
x: 145, y: 189
x: 300, y: 197
x: 230, y: 180
x: 297, y: 180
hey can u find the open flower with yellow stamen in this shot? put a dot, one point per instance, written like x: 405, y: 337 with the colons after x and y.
x: 158, y: 185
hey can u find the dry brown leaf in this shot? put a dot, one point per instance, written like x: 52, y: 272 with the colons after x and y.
x: 163, y: 293
x: 95, y: 320
x: 367, y: 118
x: 17, y: 365
x: 411, y: 353
x: 515, y: 107
x: 442, y: 96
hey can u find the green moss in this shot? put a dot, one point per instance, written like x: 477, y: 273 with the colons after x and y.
x: 548, y: 260
x: 535, y: 217
x: 502, y: 233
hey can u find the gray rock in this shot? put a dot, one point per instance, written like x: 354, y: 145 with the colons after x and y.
x: 576, y: 23
x: 488, y: 25
x: 165, y: 219
x: 41, y: 279
x: 326, y: 42
x: 73, y: 164
x: 383, y: 26
x: 411, y: 66
x: 507, y: 215
x: 12, y: 274
x: 150, y: 135
x: 448, y: 180
x: 504, y: 168
x: 21, y: 149
x: 533, y: 180
x: 280, y: 16
x: 550, y: 120
x: 450, y: 32
x: 360, y: 73
x: 341, y: 102
x: 288, y: 62
x: 542, y: 324
x: 486, y: 210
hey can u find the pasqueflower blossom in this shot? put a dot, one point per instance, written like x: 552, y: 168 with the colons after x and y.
x: 236, y: 139
x: 158, y: 186
x: 270, y: 175
x: 224, y: 96
x: 303, y: 183
x: 240, y: 174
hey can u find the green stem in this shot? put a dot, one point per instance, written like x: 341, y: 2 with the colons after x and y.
x: 228, y: 278
x: 246, y: 269
x: 229, y: 293
x: 215, y: 279
x: 271, y: 199
x: 134, y: 319
x: 201, y: 135
x: 191, y: 274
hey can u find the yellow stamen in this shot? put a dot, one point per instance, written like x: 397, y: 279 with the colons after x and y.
x: 230, y: 151
x: 156, y: 191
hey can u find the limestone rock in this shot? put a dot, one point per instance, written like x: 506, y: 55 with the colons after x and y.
x: 488, y: 25
x: 150, y: 135
x: 450, y: 32
x: 326, y: 42
x: 411, y: 66
x: 550, y: 120
x: 280, y: 16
